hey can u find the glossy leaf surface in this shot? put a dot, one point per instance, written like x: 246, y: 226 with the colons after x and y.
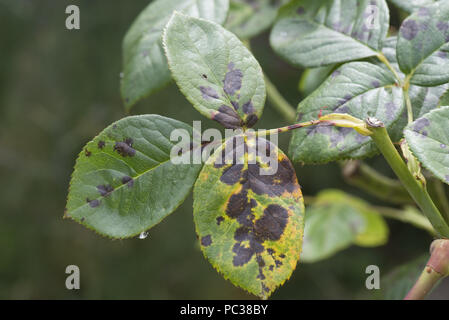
x: 249, y: 214
x: 360, y: 89
x: 125, y: 182
x: 215, y: 71
x: 428, y: 138
x: 423, y: 45
x: 145, y: 67
x: 316, y: 33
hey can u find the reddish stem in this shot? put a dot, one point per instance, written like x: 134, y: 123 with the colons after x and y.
x: 436, y: 269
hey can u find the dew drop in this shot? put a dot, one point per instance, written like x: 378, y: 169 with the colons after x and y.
x: 143, y: 235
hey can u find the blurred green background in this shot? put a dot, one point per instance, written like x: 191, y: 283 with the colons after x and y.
x: 58, y: 89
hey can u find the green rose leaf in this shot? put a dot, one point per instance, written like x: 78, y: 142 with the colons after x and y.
x: 125, y: 181
x: 145, y: 67
x: 248, y: 18
x: 423, y: 45
x: 250, y: 220
x: 336, y: 221
x: 428, y: 139
x: 389, y: 51
x: 360, y: 89
x: 444, y: 100
x: 315, y: 33
x: 412, y: 5
x: 313, y: 78
x: 215, y: 71
x: 424, y: 99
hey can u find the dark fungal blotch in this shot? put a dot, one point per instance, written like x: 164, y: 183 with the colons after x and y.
x: 272, y: 224
x: 420, y: 124
x: 206, y: 241
x: 248, y: 108
x: 375, y: 84
x: 227, y: 117
x: 101, y: 144
x: 105, y: 189
x: 261, y: 263
x: 253, y: 232
x: 251, y: 121
x: 219, y: 220
x: 208, y: 93
x: 232, y: 175
x: 128, y: 180
x: 233, y: 80
x: 409, y: 29
x: 87, y: 153
x: 125, y: 148
x: 93, y: 203
x: 284, y: 180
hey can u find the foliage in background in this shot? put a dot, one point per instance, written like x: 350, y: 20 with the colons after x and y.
x: 224, y: 82
x: 56, y: 93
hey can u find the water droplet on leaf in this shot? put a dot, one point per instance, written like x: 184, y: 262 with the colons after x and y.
x: 143, y: 235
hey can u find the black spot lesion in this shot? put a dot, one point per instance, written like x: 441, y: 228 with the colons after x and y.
x: 227, y: 117
x: 276, y: 258
x: 105, y: 189
x: 87, y: 152
x: 232, y: 174
x: 125, y: 148
x: 233, y: 80
x: 274, y: 185
x: 251, y: 120
x: 209, y: 93
x: 261, y: 264
x: 129, y: 181
x: 93, y: 203
x: 248, y: 108
x: 206, y: 241
x: 420, y: 125
x: 252, y: 232
x: 219, y: 220
x: 409, y: 29
x: 284, y: 180
x: 101, y: 144
x: 270, y: 226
